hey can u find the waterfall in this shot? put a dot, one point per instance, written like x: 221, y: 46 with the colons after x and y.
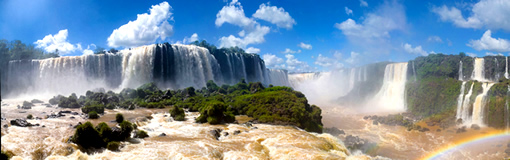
x: 169, y: 66
x: 391, y: 96
x: 496, y: 71
x: 506, y: 68
x: 461, y: 77
x: 365, y: 73
x: 460, y: 99
x: 478, y: 70
x: 479, y: 105
x: 352, y: 79
x: 464, y: 110
x: 278, y: 77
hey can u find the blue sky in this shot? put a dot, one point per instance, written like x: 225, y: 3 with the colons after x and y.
x: 298, y: 35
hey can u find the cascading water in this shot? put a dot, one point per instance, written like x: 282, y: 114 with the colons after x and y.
x: 496, y: 73
x: 391, y: 97
x: 461, y: 77
x: 506, y: 68
x: 278, y: 77
x: 352, y: 79
x: 479, y: 105
x: 478, y: 70
x: 460, y: 99
x: 464, y: 110
x: 507, y: 110
x: 170, y: 66
x: 414, y: 72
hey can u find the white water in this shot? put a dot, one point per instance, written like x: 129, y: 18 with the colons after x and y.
x: 278, y: 77
x: 461, y: 77
x: 464, y: 111
x: 506, y: 68
x: 414, y: 72
x: 460, y: 99
x: 507, y: 110
x: 391, y: 97
x: 497, y: 73
x: 478, y: 115
x: 170, y: 66
x: 352, y: 79
x: 478, y: 70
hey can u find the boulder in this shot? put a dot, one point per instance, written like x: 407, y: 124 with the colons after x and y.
x: 215, y: 133
x: 236, y: 132
x: 21, y: 123
x: 162, y: 134
x: 475, y: 127
x: 36, y: 101
x: 462, y: 129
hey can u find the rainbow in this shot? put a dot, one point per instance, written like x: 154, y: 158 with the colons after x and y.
x: 449, y: 148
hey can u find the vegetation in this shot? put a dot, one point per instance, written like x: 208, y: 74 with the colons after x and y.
x: 119, y: 118
x: 86, y: 136
x: 93, y: 115
x: 177, y: 113
x: 141, y: 134
x: 30, y: 116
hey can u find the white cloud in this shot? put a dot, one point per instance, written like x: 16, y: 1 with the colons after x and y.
x: 275, y: 15
x: 388, y: 17
x: 353, y: 59
x: 328, y: 62
x: 493, y: 54
x: 252, y: 50
x: 363, y: 3
x: 435, y: 39
x: 490, y: 44
x: 272, y: 60
x: 233, y: 14
x: 416, y: 50
x: 89, y: 50
x: 493, y: 14
x: 305, y: 46
x: 146, y: 29
x: 194, y: 37
x: 294, y: 65
x: 252, y: 33
x: 348, y: 11
x: 471, y: 54
x: 50, y: 43
x: 289, y: 51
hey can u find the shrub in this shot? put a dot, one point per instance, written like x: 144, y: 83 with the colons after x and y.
x: 99, y: 108
x: 87, y: 136
x: 110, y: 106
x: 36, y: 101
x: 177, y: 113
x: 141, y: 134
x: 214, y: 112
x: 105, y: 132
x: 119, y: 118
x: 55, y: 99
x: 93, y: 115
x: 113, y: 146
x: 30, y: 116
x: 125, y: 130
x: 70, y: 102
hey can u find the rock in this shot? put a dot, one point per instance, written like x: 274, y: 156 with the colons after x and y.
x: 430, y: 124
x: 22, y: 112
x: 475, y: 127
x: 36, y: 101
x: 333, y: 131
x: 356, y: 143
x: 215, y: 133
x: 254, y: 127
x: 424, y: 129
x: 462, y: 129
x: 79, y: 123
x: 162, y: 134
x: 62, y: 112
x: 236, y: 132
x: 507, y: 151
x: 116, y: 130
x: 366, y: 117
x: 37, y: 124
x: 72, y: 117
x: 38, y: 118
x: 27, y: 105
x: 375, y: 122
x: 74, y: 113
x: 21, y: 123
x: 165, y: 116
x: 508, y: 145
x: 43, y: 126
x: 438, y: 130
x: 248, y: 124
x: 5, y: 125
x: 141, y: 134
x: 53, y: 115
x: 225, y: 134
x: 48, y: 105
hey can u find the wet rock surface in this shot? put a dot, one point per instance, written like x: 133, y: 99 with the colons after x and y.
x: 21, y: 123
x: 216, y: 133
x: 356, y: 143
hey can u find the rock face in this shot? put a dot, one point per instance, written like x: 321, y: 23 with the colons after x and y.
x: 356, y: 143
x: 333, y: 131
x: 475, y: 127
x: 216, y: 133
x: 21, y: 123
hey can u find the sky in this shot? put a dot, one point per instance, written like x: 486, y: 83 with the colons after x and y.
x: 296, y: 35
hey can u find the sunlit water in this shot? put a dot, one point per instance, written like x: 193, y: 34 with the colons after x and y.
x: 183, y: 140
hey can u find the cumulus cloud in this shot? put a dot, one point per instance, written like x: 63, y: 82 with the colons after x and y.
x: 289, y: 51
x: 348, y: 11
x: 353, y: 59
x: 89, y: 50
x: 377, y: 25
x: 305, y: 46
x: 328, y: 62
x: 50, y: 43
x: 492, y: 14
x: 186, y: 40
x: 295, y: 65
x: 146, y: 29
x: 253, y: 50
x: 272, y: 60
x: 435, y: 39
x: 490, y: 44
x: 471, y: 54
x: 493, y: 54
x: 363, y: 3
x: 252, y: 33
x: 275, y: 15
x: 416, y: 50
